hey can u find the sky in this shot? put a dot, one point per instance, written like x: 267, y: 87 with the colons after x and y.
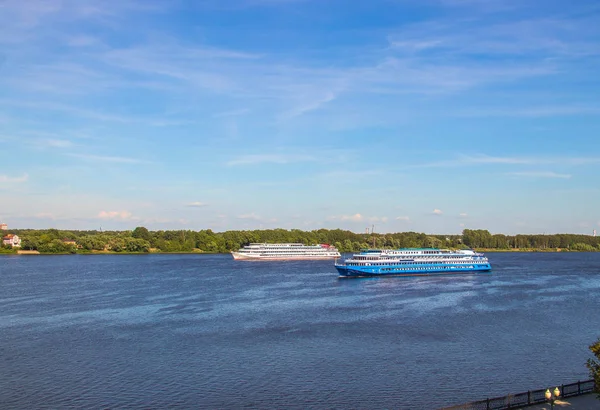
x: 394, y: 115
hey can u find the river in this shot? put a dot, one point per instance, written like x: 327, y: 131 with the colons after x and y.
x: 204, y: 331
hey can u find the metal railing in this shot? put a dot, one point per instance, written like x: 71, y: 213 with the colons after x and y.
x: 524, y: 399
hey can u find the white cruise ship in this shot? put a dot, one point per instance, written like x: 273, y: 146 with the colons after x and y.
x: 285, y: 251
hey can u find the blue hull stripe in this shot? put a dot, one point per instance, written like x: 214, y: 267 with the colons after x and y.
x: 365, y: 271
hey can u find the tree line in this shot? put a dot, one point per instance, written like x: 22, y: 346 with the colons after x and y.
x: 142, y: 240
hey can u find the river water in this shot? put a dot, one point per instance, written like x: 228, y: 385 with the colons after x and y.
x: 204, y: 331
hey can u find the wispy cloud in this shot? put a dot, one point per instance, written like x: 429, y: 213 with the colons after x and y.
x: 232, y: 113
x: 123, y: 215
x: 539, y: 174
x: 54, y: 143
x: 354, y: 218
x: 350, y: 175
x: 82, y: 41
x: 102, y: 158
x: 437, y: 212
x: 250, y: 216
x: 487, y: 159
x: 482, y: 159
x: 528, y: 111
x: 308, y: 106
x: 270, y: 159
x: 382, y: 219
x: 196, y: 204
x: 14, y: 180
x: 91, y: 114
x: 402, y: 218
x: 528, y: 39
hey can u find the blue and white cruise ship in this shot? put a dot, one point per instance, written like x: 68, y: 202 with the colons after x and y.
x: 412, y: 262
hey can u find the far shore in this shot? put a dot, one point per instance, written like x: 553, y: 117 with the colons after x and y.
x: 524, y: 250
x: 198, y: 251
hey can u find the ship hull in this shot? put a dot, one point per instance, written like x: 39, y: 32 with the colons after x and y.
x: 433, y: 270
x: 242, y: 257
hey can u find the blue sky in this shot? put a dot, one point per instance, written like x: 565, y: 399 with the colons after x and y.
x: 429, y: 116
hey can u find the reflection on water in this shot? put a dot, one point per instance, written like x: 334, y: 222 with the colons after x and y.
x: 206, y: 331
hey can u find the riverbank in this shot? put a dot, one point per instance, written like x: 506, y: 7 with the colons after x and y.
x: 94, y: 252
x: 199, y: 251
x: 489, y: 250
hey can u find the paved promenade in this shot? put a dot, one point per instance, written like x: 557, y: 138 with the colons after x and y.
x: 584, y: 402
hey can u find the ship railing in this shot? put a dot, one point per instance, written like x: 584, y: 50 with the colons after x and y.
x: 528, y: 398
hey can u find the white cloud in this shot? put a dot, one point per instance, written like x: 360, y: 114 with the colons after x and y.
x: 378, y: 219
x: 540, y: 174
x: 437, y: 212
x: 251, y: 216
x: 415, y: 45
x: 530, y: 111
x: 45, y: 215
x: 123, y: 215
x: 13, y: 180
x: 402, y: 218
x: 82, y: 41
x: 56, y: 143
x: 356, y: 217
x: 102, y: 158
x: 232, y: 113
x: 77, y: 111
x: 463, y: 215
x: 270, y: 159
x: 482, y: 159
x: 196, y: 204
x: 308, y: 106
x: 487, y: 159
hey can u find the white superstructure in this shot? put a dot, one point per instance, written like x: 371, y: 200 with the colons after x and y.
x: 285, y: 251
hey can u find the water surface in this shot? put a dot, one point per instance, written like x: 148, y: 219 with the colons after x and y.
x: 204, y: 331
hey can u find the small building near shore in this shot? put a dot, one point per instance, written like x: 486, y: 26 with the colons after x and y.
x: 3, y: 227
x: 11, y: 240
x: 71, y: 242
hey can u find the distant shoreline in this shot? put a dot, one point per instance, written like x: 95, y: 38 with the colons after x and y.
x: 198, y: 252
x: 142, y: 240
x: 552, y: 250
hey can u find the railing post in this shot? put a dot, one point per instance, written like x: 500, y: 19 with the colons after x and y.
x: 487, y: 404
x: 578, y: 387
x: 528, y: 396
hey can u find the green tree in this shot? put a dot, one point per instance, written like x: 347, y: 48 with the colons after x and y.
x: 136, y: 245
x: 117, y: 244
x: 29, y: 244
x: 594, y: 366
x: 141, y: 233
x: 55, y: 246
x: 583, y: 247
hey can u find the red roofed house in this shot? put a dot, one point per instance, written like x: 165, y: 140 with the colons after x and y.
x: 3, y: 227
x: 12, y: 240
